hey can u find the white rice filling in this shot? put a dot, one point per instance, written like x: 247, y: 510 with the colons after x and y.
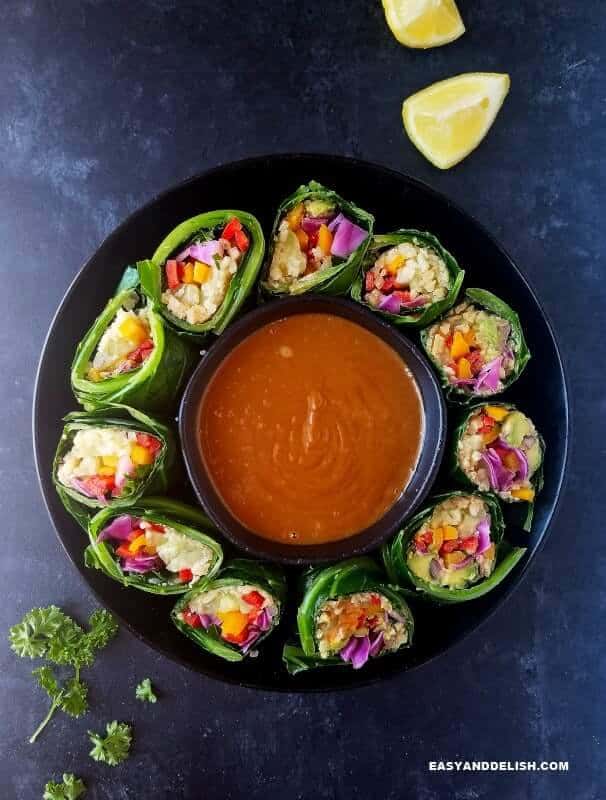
x: 178, y: 551
x: 88, y: 448
x: 289, y: 262
x: 197, y: 303
x: 230, y: 598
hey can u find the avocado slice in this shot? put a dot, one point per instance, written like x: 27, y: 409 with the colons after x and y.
x: 319, y: 208
x: 515, y: 427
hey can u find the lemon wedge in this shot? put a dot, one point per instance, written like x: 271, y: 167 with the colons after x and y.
x: 424, y: 23
x: 449, y: 119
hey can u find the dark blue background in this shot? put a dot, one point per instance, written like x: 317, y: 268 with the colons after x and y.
x: 103, y: 104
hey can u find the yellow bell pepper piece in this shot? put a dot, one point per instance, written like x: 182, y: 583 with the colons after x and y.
x: 450, y: 532
x: 134, y: 330
x: 109, y: 461
x: 511, y: 461
x: 459, y: 346
x: 454, y: 558
x: 489, y: 552
x: 150, y: 549
x: 324, y: 239
x: 294, y: 217
x: 188, y: 273
x: 201, y: 272
x: 438, y: 538
x: 303, y: 238
x: 141, y: 455
x: 232, y: 622
x: 491, y: 436
x: 496, y: 412
x: 523, y: 494
x: 107, y: 471
x: 137, y: 544
x: 469, y: 337
x: 394, y: 265
x: 94, y: 374
x: 464, y: 368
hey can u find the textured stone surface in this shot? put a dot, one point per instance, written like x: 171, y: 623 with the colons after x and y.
x: 103, y: 104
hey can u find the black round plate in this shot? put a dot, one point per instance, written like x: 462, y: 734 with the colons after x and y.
x: 258, y: 185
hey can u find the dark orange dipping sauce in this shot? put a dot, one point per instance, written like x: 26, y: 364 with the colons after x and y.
x: 310, y: 429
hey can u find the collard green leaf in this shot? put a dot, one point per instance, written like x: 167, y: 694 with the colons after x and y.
x: 162, y: 511
x: 421, y: 239
x: 203, y: 225
x: 155, y: 385
x: 237, y: 573
x: 338, y: 278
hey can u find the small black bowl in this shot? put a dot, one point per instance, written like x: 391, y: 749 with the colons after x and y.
x: 423, y: 477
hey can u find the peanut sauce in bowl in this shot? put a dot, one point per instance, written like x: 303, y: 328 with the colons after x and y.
x: 311, y: 429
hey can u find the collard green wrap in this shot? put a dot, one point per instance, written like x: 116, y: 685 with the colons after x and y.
x: 395, y: 555
x: 163, y: 473
x: 184, y: 519
x: 490, y: 302
x: 338, y: 278
x: 459, y: 475
x: 322, y: 584
x: 238, y: 572
x: 205, y: 226
x: 154, y: 385
x: 420, y: 239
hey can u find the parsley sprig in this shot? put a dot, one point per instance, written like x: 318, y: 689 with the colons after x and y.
x: 145, y: 692
x: 71, y: 788
x: 50, y: 634
x: 115, y: 746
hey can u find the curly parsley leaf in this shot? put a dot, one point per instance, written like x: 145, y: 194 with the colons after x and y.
x: 31, y: 637
x: 145, y: 692
x: 71, y: 788
x: 51, y: 634
x: 115, y: 746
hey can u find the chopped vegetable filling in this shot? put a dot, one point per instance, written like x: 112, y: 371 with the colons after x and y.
x: 473, y: 348
x: 196, y: 281
x: 500, y: 450
x: 359, y: 626
x: 453, y: 548
x: 406, y: 278
x: 144, y: 547
x: 102, y: 460
x: 240, y: 613
x: 125, y: 344
x: 311, y: 237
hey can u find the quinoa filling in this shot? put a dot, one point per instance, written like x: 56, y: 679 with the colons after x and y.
x: 406, y: 278
x: 473, y: 348
x: 158, y: 551
x: 239, y: 614
x: 359, y: 626
x: 500, y: 451
x: 196, y: 281
x: 102, y: 462
x: 311, y: 237
x: 125, y: 344
x: 453, y: 548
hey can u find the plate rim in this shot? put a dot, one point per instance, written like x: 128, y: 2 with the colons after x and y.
x: 45, y: 484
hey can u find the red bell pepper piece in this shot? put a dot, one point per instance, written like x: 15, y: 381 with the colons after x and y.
x: 470, y: 545
x: 123, y: 551
x: 241, y: 240
x: 388, y: 284
x: 236, y: 638
x: 185, y: 575
x: 191, y: 618
x: 99, y: 484
x: 403, y: 296
x: 229, y: 231
x: 149, y: 441
x: 449, y: 546
x: 253, y: 598
x: 172, y: 274
x: 369, y: 281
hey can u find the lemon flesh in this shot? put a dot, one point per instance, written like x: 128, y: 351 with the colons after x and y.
x: 424, y: 23
x: 449, y: 119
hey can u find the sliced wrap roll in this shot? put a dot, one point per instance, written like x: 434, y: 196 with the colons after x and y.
x: 161, y: 546
x: 111, y: 458
x: 478, y: 348
x: 453, y: 550
x: 231, y: 614
x: 408, y: 278
x: 497, y: 448
x: 204, y: 269
x: 129, y: 356
x: 348, y: 615
x: 317, y: 244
